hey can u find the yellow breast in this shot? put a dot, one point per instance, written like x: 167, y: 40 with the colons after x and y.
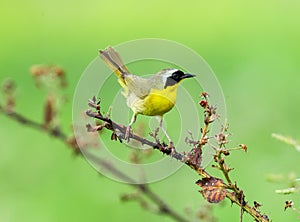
x: 158, y: 102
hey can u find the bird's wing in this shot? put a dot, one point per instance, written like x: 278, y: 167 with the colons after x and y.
x: 141, y: 87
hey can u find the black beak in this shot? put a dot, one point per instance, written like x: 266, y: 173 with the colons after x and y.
x: 187, y: 75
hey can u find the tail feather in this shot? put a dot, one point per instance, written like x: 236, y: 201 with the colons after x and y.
x: 114, y: 61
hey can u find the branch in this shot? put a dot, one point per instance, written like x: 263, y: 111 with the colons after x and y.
x: 163, y: 207
x: 113, y: 126
x: 214, y: 189
x: 32, y: 124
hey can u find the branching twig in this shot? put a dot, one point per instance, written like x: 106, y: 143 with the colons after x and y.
x: 218, y: 187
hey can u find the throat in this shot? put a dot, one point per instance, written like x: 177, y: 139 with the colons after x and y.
x: 170, y: 82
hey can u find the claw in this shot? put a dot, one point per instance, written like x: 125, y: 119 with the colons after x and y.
x: 171, y: 146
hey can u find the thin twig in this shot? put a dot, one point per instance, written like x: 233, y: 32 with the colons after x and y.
x: 35, y: 125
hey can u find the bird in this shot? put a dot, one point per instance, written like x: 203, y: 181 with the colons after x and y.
x: 153, y: 96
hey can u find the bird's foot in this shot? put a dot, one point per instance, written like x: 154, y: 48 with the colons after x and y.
x: 172, y: 147
x: 127, y: 134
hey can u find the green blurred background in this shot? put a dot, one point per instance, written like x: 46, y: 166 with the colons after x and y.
x: 253, y: 47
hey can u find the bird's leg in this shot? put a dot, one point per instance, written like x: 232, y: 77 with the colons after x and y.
x: 171, y: 145
x: 127, y: 133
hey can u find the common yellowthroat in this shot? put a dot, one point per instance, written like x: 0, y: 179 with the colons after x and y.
x: 152, y: 96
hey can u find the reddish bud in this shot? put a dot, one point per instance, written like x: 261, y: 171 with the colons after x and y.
x: 226, y: 152
x: 204, y: 95
x: 244, y: 147
x: 203, y: 103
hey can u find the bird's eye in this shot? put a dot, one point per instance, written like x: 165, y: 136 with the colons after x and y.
x: 177, y: 74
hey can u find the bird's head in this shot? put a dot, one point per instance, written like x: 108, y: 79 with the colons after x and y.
x: 173, y: 76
